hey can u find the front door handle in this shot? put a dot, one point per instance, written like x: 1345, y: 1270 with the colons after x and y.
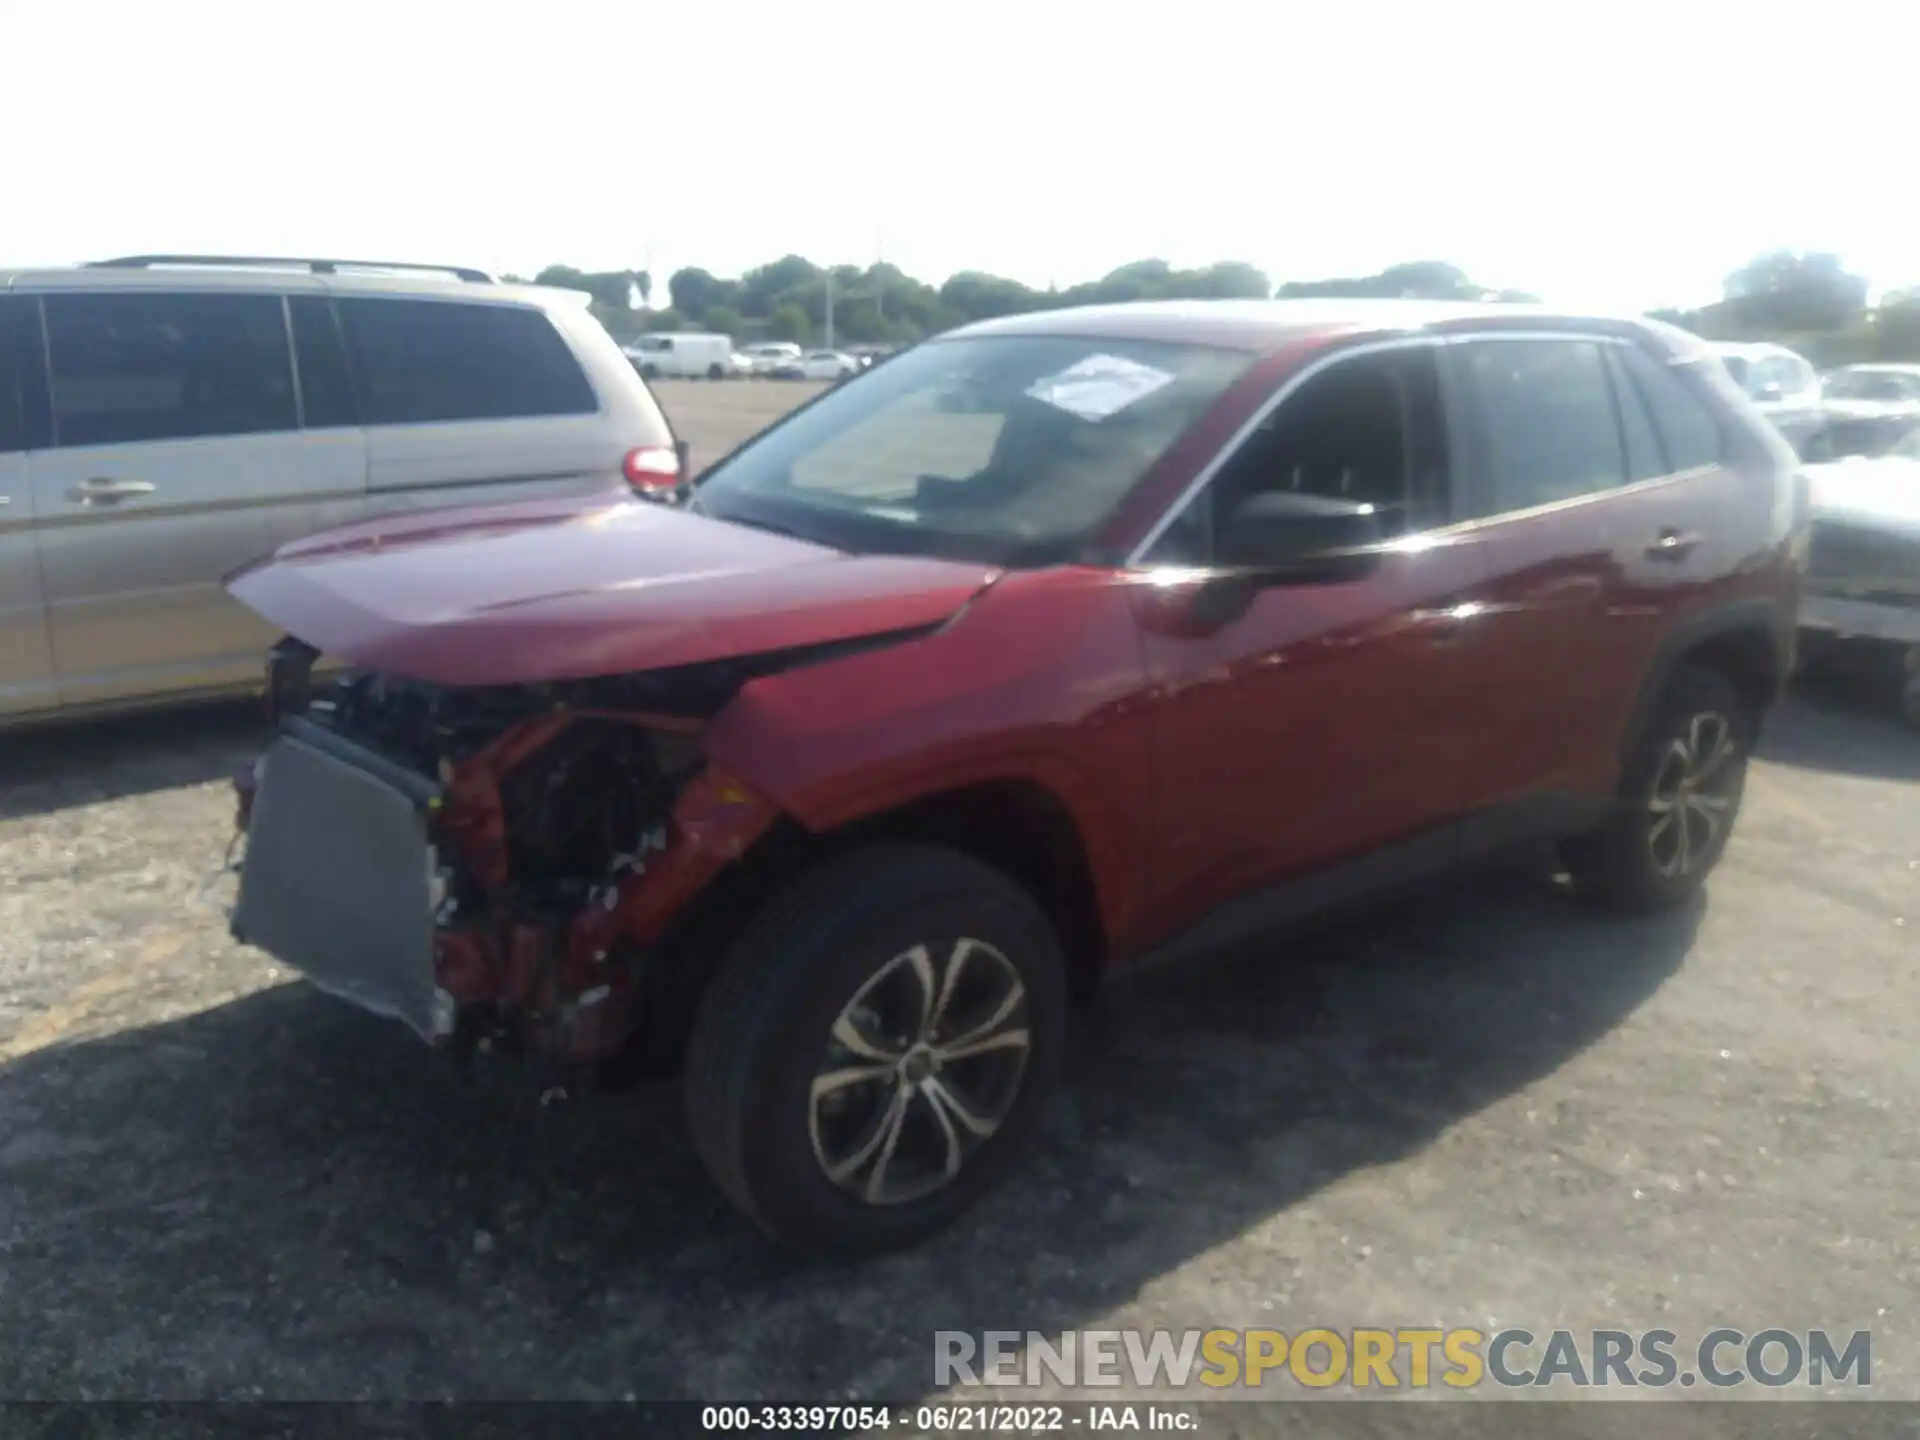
x: 102, y: 491
x: 1672, y: 545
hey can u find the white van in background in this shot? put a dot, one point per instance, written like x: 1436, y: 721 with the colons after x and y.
x: 685, y: 354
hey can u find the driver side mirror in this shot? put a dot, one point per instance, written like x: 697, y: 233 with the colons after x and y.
x: 1283, y: 538
x: 1308, y: 539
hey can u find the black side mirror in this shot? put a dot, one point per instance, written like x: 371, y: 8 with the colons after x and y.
x: 1309, y: 537
x: 683, y: 455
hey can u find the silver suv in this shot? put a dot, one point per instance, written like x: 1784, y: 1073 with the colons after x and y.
x: 165, y: 419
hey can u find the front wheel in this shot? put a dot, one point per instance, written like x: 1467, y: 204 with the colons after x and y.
x: 877, y: 1048
x: 1678, y: 800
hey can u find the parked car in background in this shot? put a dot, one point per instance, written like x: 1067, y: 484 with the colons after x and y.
x: 1783, y: 386
x: 686, y: 355
x: 1866, y: 409
x: 1060, y: 641
x: 828, y: 365
x: 766, y: 357
x: 1862, y: 601
x: 165, y: 419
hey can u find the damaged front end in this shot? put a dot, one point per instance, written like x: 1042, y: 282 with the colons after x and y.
x: 488, y: 864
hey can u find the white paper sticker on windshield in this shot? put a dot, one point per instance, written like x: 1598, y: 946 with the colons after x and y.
x: 1099, y: 385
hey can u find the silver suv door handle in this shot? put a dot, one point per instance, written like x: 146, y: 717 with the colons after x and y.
x: 103, y: 491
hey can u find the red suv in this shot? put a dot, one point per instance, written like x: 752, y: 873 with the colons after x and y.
x: 837, y: 778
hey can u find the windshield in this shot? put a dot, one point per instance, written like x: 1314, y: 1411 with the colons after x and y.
x: 1873, y: 385
x: 1007, y: 450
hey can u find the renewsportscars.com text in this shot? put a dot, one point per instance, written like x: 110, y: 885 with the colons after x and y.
x: 1380, y: 1358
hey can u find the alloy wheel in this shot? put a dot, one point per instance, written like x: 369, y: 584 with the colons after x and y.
x: 1695, y: 787
x: 922, y: 1066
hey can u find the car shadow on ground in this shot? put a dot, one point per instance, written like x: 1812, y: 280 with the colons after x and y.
x: 88, y: 762
x: 1844, y: 723
x: 283, y: 1196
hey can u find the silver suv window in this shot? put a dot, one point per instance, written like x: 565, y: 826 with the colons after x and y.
x: 421, y: 361
x: 134, y: 367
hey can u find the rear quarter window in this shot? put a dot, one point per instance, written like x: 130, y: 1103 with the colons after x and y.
x: 427, y: 361
x: 1688, y: 432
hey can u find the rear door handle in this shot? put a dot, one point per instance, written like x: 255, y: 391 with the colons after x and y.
x: 1672, y: 545
x: 103, y: 491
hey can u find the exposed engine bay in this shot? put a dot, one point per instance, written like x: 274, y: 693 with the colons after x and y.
x: 565, y: 825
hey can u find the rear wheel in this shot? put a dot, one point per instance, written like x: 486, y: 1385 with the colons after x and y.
x: 1678, y: 801
x: 877, y: 1048
x: 714, y: 372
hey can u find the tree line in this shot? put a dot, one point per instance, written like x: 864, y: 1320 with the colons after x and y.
x: 788, y: 299
x: 1808, y: 300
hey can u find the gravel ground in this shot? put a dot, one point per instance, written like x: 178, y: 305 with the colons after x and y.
x: 1477, y: 1106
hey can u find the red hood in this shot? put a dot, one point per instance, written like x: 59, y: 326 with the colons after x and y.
x: 517, y: 594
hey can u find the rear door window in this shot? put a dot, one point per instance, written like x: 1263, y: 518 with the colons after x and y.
x: 1547, y: 420
x: 426, y: 361
x: 138, y: 367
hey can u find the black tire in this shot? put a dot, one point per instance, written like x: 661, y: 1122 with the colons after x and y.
x: 763, y: 1032
x: 714, y: 372
x: 1636, y: 860
x: 1910, y: 701
x: 650, y: 372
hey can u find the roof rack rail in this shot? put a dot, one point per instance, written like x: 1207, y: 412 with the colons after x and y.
x: 317, y: 267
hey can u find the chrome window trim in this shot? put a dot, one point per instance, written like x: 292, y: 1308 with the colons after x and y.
x: 1137, y: 559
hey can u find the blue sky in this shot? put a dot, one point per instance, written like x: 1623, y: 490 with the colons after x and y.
x: 1619, y: 156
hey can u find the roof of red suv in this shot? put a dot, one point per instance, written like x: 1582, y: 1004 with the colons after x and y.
x: 1271, y: 324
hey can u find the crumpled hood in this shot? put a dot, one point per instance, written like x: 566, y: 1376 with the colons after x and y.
x: 559, y: 590
x: 1882, y: 493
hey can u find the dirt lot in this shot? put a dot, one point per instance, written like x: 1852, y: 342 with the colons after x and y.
x: 713, y: 417
x: 1479, y: 1106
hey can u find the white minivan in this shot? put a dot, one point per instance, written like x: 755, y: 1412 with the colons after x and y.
x: 688, y: 355
x: 166, y: 419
